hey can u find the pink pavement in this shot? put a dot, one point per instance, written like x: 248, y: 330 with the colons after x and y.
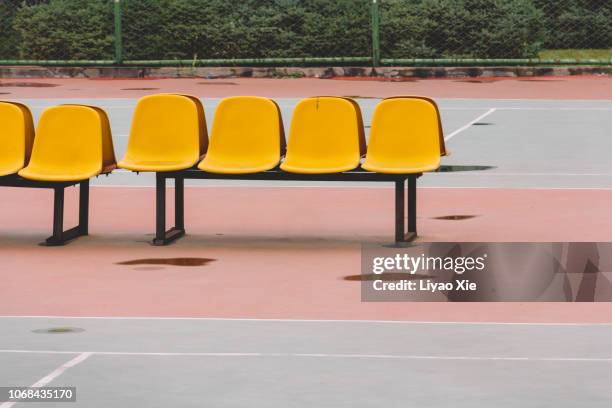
x: 275, y: 252
x: 561, y: 87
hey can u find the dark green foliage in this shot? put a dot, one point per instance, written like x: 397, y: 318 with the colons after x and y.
x: 245, y: 29
x: 8, y: 36
x: 65, y: 29
x: 577, y: 23
x: 460, y: 28
x: 202, y: 29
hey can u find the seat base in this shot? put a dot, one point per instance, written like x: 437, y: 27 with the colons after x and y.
x: 405, y: 185
x: 408, y: 240
x: 163, y: 236
x: 169, y: 236
x: 409, y: 237
x: 35, y: 174
x: 155, y: 166
x: 401, y: 170
x: 59, y: 237
x: 310, y: 170
x: 234, y: 169
x: 64, y: 237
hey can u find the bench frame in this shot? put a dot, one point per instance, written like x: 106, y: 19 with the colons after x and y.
x: 164, y: 237
x: 59, y: 237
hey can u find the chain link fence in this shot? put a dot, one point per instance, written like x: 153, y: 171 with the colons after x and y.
x: 301, y: 32
x: 490, y: 29
x: 220, y: 29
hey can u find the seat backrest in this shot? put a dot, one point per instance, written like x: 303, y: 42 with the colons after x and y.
x: 68, y: 142
x: 405, y: 131
x: 248, y: 129
x: 165, y: 128
x: 109, y: 162
x: 443, y: 151
x: 326, y: 136
x: 16, y: 137
x: 201, y: 123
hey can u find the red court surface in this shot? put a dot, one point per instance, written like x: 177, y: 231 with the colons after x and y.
x: 575, y: 87
x: 280, y: 252
x: 273, y: 252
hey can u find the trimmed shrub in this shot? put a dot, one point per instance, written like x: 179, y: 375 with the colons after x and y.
x: 8, y: 36
x: 460, y: 29
x: 577, y: 23
x: 66, y: 29
x: 213, y: 29
x: 186, y: 29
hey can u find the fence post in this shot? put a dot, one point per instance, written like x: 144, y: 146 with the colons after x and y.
x: 118, y: 34
x: 375, y: 25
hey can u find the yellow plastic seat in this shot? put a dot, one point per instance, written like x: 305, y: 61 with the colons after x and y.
x: 405, y: 137
x: 443, y: 150
x: 68, y: 145
x: 109, y: 163
x: 247, y: 136
x: 326, y: 136
x: 166, y: 134
x: 16, y: 137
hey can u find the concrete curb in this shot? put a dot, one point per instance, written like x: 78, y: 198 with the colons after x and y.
x: 397, y: 73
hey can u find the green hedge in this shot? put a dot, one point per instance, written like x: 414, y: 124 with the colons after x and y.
x: 577, y: 23
x: 186, y: 29
x: 460, y: 29
x: 8, y: 36
x: 66, y: 29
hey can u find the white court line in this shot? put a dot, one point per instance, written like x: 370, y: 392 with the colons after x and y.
x: 461, y: 129
x: 84, y: 355
x: 54, y: 374
x: 288, y: 320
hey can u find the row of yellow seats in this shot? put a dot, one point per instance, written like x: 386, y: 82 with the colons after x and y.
x: 326, y: 136
x: 72, y: 143
x: 169, y: 133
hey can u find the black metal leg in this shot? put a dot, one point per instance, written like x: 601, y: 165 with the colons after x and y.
x: 412, y: 208
x: 401, y: 207
x: 61, y: 237
x: 160, y: 210
x: 179, y: 203
x: 399, y: 211
x: 58, y: 216
x: 163, y: 237
x: 84, y: 207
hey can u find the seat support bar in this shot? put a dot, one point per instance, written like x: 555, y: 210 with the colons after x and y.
x: 412, y: 207
x: 401, y: 226
x: 405, y: 230
x: 400, y: 221
x: 59, y: 237
x: 163, y: 237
